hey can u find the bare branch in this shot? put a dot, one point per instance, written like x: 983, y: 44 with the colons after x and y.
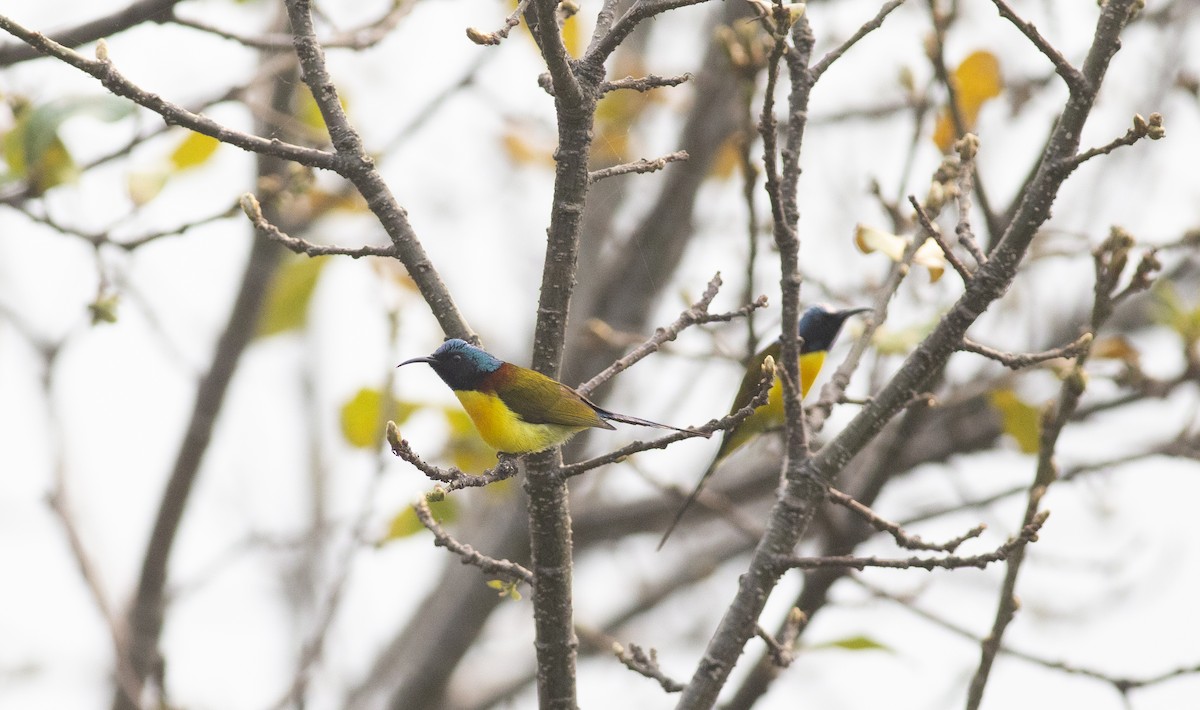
x: 1142, y: 128
x: 695, y: 315
x: 114, y: 81
x: 1006, y: 551
x: 935, y: 233
x: 1074, y: 79
x: 867, y: 28
x: 492, y: 38
x: 253, y: 211
x: 505, y: 568
x: 1019, y: 361
x: 456, y: 479
x: 644, y: 83
x: 636, y: 659
x: 644, y: 165
x: 902, y: 538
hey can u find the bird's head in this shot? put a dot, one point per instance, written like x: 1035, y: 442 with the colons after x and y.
x: 459, y: 364
x: 819, y: 326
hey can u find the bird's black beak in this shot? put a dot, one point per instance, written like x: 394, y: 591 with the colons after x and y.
x: 851, y: 311
x: 426, y: 359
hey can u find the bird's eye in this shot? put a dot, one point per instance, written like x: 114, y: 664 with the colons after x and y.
x: 456, y: 357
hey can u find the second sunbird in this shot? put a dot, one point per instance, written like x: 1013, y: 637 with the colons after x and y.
x: 515, y: 409
x: 818, y: 328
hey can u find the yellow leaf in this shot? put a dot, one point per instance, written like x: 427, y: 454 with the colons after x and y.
x: 310, y: 114
x: 729, y: 157
x: 929, y: 254
x: 144, y: 186
x: 616, y: 115
x: 976, y: 80
x: 1021, y: 421
x: 195, y: 149
x: 286, y: 306
x: 525, y: 145
x: 1177, y: 314
x: 506, y: 589
x: 363, y: 422
x: 405, y: 523
x: 571, y: 34
x: 1116, y: 347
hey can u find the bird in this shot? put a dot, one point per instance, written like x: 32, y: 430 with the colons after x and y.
x: 819, y: 327
x: 515, y: 409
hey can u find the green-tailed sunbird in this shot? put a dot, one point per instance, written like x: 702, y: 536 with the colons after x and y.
x: 515, y: 409
x: 818, y: 329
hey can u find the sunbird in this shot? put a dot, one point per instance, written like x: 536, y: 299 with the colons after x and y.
x: 819, y: 327
x: 517, y: 410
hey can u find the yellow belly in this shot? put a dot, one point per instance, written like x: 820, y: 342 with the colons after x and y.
x: 504, y: 431
x: 770, y: 416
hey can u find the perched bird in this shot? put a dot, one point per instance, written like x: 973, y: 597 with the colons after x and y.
x: 819, y: 327
x: 515, y: 409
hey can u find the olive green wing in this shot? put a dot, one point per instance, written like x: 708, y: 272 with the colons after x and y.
x: 537, y: 399
x: 753, y: 376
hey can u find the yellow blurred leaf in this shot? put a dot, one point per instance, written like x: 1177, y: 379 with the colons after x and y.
x: 144, y: 186
x: 616, y: 115
x: 1021, y: 421
x: 33, y: 149
x: 104, y: 308
x: 505, y: 588
x: 900, y: 341
x: 976, y: 80
x: 405, y: 523
x: 929, y: 254
x: 362, y: 420
x: 524, y: 145
x: 854, y: 643
x: 728, y: 158
x: 1175, y: 313
x: 572, y: 35
x: 195, y: 149
x: 1116, y: 347
x: 310, y: 114
x: 292, y: 287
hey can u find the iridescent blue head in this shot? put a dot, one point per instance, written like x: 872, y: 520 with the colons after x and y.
x: 819, y: 326
x: 460, y: 364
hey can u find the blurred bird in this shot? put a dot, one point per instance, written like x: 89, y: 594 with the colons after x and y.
x: 819, y: 327
x: 515, y: 409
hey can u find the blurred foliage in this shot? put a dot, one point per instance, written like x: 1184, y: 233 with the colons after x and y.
x: 406, y: 523
x: 976, y: 80
x: 292, y: 286
x: 929, y: 254
x: 1021, y: 421
x: 33, y: 148
x: 362, y: 417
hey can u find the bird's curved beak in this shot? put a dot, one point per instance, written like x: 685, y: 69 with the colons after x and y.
x: 851, y: 311
x: 426, y: 359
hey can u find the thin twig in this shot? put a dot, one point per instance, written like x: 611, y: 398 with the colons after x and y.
x: 1019, y: 361
x: 492, y: 38
x: 696, y: 314
x: 644, y: 83
x: 639, y: 661
x: 935, y: 233
x: 644, y: 165
x: 1073, y: 77
x: 867, y: 28
x: 454, y: 478
x: 1151, y: 128
x: 470, y: 556
x: 902, y: 538
x: 250, y: 206
x: 1027, y: 535
x: 727, y: 422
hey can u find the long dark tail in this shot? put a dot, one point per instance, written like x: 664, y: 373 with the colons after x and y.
x: 626, y: 419
x: 688, y: 502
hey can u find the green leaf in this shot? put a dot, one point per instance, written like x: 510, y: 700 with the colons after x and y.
x: 1022, y: 421
x: 406, y: 524
x: 292, y: 288
x: 855, y: 643
x: 194, y: 150
x: 1174, y: 312
x: 363, y: 421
